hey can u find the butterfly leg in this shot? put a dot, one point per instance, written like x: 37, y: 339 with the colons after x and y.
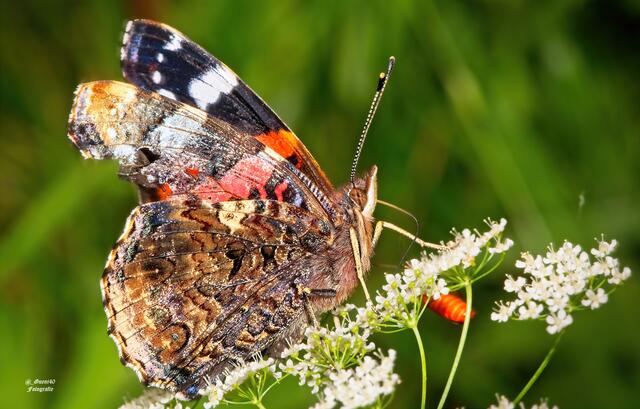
x: 355, y: 246
x: 310, y: 312
x: 308, y: 308
x: 380, y: 225
x: 305, y: 292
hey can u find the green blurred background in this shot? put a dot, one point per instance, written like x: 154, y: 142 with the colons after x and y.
x: 527, y: 110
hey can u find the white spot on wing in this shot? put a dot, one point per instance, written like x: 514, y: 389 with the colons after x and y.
x: 167, y: 93
x: 156, y: 77
x: 127, y: 29
x: 177, y: 131
x: 125, y: 42
x: 275, y: 155
x: 124, y: 153
x: 207, y: 89
x: 227, y: 75
x: 160, y: 57
x: 174, y: 44
x: 232, y: 220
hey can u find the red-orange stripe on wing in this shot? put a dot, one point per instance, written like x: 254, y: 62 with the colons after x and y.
x: 285, y: 144
x: 163, y: 191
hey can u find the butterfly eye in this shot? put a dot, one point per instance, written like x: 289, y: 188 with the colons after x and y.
x: 358, y: 197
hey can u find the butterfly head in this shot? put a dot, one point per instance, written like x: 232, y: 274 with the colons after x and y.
x: 363, y: 192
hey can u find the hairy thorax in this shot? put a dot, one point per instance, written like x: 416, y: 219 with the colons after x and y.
x: 337, y: 269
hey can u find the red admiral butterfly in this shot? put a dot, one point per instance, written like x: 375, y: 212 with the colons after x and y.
x: 240, y: 239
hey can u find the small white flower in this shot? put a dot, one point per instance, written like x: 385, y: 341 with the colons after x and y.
x: 502, y: 313
x: 324, y: 404
x: 558, y: 321
x: 513, y: 286
x: 595, y: 299
x: 557, y: 302
x: 495, y: 229
x: 575, y: 284
x: 501, y: 247
x: 503, y: 403
x: 439, y: 288
x: 413, y: 266
x: 524, y: 296
x: 617, y: 276
x: 604, y: 248
x: 543, y: 405
x: 288, y: 367
x: 526, y: 261
x: 150, y: 398
x: 532, y: 310
x: 538, y: 289
x: 393, y: 280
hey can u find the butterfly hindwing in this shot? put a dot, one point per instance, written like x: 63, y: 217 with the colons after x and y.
x: 192, y: 287
x: 171, y: 148
x: 159, y: 58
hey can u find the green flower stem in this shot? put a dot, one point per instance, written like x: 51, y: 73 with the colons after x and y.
x: 539, y: 371
x: 463, y: 339
x: 423, y: 364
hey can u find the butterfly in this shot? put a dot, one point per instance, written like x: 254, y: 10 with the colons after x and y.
x: 240, y: 240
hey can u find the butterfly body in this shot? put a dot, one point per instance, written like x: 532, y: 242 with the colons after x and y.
x: 239, y: 238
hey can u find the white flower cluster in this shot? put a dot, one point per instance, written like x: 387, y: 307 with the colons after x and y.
x: 427, y: 277
x: 360, y: 386
x: 152, y: 398
x: 467, y: 245
x: 560, y: 282
x: 335, y: 363
x: 505, y: 403
x: 232, y: 379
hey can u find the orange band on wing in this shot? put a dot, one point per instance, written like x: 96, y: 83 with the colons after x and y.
x: 163, y: 191
x: 284, y: 143
x: 192, y: 172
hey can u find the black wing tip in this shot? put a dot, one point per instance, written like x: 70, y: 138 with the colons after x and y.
x: 144, y: 26
x: 140, y: 34
x: 135, y: 23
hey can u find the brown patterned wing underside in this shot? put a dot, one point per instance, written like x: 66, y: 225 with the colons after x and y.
x: 192, y: 287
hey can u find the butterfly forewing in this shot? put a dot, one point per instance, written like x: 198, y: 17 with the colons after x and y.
x: 174, y: 149
x: 159, y: 58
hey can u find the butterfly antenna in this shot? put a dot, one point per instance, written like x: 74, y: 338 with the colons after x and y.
x: 382, y: 84
x: 415, y: 221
